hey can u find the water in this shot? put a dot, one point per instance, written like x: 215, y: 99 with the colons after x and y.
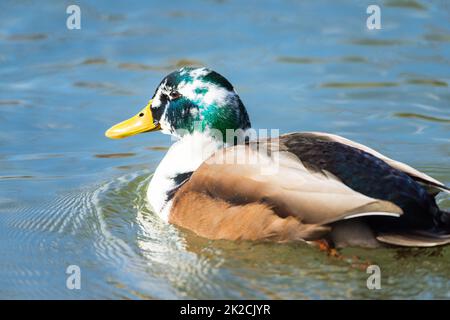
x: 70, y: 196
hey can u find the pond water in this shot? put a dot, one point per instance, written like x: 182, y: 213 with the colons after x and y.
x: 70, y: 196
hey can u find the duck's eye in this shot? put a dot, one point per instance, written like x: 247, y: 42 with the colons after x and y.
x: 141, y: 114
x: 174, y: 95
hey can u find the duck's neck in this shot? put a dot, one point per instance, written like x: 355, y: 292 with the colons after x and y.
x: 183, y: 158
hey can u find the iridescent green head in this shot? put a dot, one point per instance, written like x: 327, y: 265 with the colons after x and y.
x: 186, y: 101
x: 197, y: 99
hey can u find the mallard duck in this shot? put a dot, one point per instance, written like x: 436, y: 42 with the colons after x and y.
x: 221, y: 182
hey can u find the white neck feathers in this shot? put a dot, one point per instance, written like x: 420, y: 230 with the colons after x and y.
x: 185, y: 155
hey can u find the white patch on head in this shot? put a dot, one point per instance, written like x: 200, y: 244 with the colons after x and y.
x: 194, y: 112
x: 183, y: 71
x: 199, y: 91
x: 166, y: 127
x: 215, y: 94
x: 156, y: 103
x: 199, y: 72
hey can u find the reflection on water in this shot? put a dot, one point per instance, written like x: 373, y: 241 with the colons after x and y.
x: 115, y: 155
x: 358, y: 84
x: 130, y: 253
x: 430, y: 82
x: 70, y: 196
x: 27, y: 37
x: 421, y: 116
x: 170, y: 67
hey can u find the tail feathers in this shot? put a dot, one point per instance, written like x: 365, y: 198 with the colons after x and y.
x: 442, y: 221
x: 417, y: 239
x: 436, y: 236
x: 445, y: 218
x: 444, y: 189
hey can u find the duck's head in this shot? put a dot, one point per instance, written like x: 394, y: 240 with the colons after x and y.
x: 186, y: 101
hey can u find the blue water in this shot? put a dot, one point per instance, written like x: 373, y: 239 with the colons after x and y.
x: 69, y: 196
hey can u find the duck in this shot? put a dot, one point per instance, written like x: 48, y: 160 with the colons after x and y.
x: 223, y: 181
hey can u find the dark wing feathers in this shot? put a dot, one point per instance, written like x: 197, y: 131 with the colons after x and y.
x: 364, y: 173
x: 432, y: 185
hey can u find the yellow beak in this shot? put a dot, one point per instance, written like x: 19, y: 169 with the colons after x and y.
x: 142, y: 122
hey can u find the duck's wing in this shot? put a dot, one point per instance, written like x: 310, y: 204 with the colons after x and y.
x: 310, y: 182
x: 432, y: 185
x: 276, y: 177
